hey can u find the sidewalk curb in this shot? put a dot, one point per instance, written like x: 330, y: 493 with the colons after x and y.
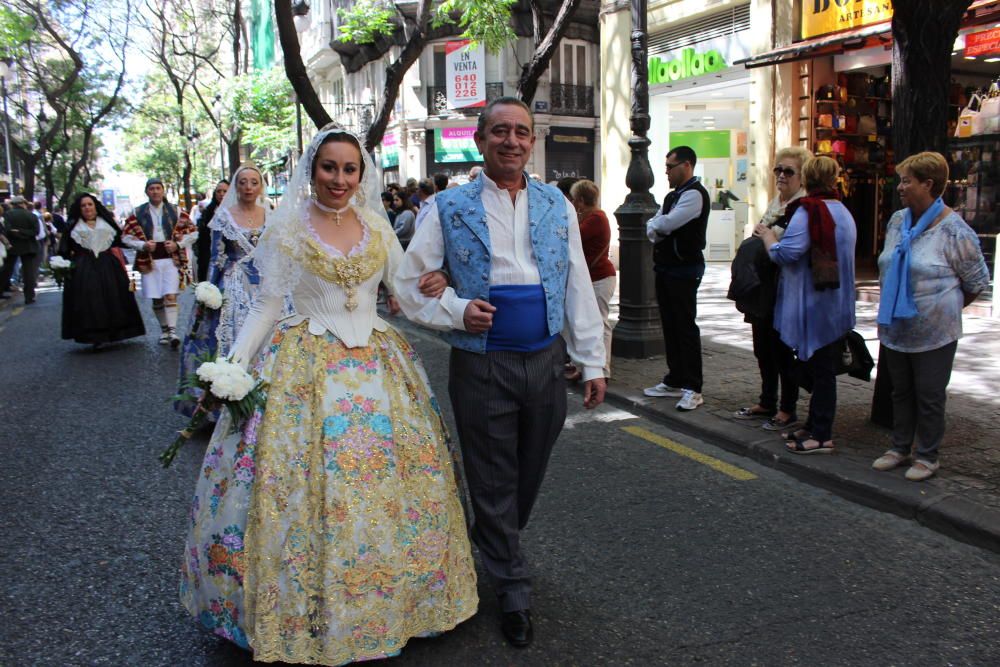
x: 853, y: 480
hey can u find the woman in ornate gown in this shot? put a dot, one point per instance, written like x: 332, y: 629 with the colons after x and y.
x: 98, y: 306
x: 329, y: 528
x: 235, y: 226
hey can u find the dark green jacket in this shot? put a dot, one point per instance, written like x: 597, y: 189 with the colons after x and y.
x: 21, y: 228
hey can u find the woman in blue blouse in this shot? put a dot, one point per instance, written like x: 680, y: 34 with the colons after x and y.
x: 932, y: 267
x: 815, y: 302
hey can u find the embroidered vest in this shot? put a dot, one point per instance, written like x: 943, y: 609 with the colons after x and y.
x: 168, y: 220
x: 468, y: 253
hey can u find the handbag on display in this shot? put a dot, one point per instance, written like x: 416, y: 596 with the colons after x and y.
x: 826, y: 93
x: 989, y: 112
x: 839, y: 146
x: 824, y: 146
x: 867, y: 124
x: 825, y: 120
x: 968, y: 118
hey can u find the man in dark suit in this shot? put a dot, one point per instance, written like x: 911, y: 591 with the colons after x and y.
x: 678, y: 237
x: 21, y: 228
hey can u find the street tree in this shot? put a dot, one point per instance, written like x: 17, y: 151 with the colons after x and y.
x: 923, y: 36
x: 374, y: 27
x: 71, y: 76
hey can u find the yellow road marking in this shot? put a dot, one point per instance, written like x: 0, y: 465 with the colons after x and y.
x: 677, y: 448
x: 16, y: 311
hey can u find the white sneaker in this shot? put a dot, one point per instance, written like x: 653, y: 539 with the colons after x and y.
x: 921, y: 470
x: 662, y: 390
x: 891, y: 459
x: 690, y: 399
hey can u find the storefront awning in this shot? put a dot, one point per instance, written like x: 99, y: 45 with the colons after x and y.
x: 850, y: 40
x: 825, y: 45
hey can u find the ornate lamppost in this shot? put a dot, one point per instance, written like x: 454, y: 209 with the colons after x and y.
x: 638, y: 333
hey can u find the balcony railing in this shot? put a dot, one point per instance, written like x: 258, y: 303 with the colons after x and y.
x: 566, y: 100
x: 437, y: 99
x: 355, y: 117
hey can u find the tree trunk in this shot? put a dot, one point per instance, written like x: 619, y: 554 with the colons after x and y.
x: 295, y: 69
x: 923, y: 35
x: 394, y: 74
x: 527, y: 84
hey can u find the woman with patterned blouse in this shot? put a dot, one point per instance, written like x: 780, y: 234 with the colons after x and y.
x: 329, y: 528
x: 932, y: 267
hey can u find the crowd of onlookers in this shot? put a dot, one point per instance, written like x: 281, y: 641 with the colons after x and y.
x: 28, y: 236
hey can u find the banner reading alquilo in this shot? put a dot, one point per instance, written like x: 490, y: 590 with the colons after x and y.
x: 820, y: 17
x: 465, y: 72
x: 456, y: 144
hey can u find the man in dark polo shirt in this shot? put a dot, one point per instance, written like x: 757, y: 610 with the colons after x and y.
x: 20, y: 226
x: 678, y: 237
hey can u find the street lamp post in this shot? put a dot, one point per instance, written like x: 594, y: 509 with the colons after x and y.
x: 638, y: 334
x: 5, y: 71
x: 222, y: 149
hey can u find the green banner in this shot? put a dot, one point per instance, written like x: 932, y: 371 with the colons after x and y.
x: 456, y: 144
x: 706, y: 144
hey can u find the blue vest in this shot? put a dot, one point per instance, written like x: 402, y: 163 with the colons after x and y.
x: 468, y: 253
x: 167, y: 221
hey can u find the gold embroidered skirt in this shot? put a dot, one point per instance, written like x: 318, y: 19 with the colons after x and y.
x: 355, y: 537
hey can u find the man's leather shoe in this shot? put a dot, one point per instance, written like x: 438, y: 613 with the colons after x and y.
x: 516, y: 626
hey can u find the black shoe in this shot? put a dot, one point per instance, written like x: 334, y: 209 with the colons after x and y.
x: 516, y: 626
x: 28, y: 303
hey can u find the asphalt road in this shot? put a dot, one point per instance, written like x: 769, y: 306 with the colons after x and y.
x: 643, y: 552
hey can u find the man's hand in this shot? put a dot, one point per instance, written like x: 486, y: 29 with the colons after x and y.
x: 392, y: 304
x: 478, y: 316
x: 150, y: 246
x: 593, y: 392
x: 432, y: 284
x: 170, y: 246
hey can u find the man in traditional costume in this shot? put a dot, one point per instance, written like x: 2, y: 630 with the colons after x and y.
x: 520, y: 296
x: 161, y: 233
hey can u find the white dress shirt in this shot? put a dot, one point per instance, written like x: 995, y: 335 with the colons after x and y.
x: 513, y: 264
x: 687, y: 208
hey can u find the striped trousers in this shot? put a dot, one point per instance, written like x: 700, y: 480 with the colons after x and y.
x: 509, y: 408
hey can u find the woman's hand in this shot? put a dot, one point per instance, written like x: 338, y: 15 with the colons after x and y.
x: 393, y: 305
x: 765, y: 234
x: 432, y: 284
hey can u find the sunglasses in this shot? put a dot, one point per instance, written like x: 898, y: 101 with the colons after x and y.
x: 788, y: 172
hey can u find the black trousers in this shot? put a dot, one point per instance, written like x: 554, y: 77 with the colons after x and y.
x: 919, y: 393
x: 509, y: 409
x: 29, y: 274
x: 678, y: 302
x: 822, y: 366
x: 775, y: 362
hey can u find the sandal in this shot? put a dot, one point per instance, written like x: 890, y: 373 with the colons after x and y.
x: 798, y: 446
x: 776, y: 424
x: 797, y: 434
x: 750, y: 413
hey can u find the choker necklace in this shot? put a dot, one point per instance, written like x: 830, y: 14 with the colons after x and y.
x: 330, y: 209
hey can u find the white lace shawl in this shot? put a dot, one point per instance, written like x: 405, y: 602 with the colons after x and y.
x: 96, y: 240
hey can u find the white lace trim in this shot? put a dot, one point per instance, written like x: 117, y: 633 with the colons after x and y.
x: 334, y: 250
x: 96, y: 240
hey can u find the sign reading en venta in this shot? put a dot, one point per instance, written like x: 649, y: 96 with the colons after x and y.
x: 820, y: 17
x: 465, y: 69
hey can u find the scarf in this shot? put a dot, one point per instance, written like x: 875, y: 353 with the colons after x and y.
x: 896, y: 302
x: 822, y: 238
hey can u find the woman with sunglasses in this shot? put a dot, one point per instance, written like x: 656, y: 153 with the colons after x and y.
x: 774, y: 359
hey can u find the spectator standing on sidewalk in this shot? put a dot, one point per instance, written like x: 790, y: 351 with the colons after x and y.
x: 815, y: 304
x: 678, y: 235
x: 595, y: 234
x: 932, y: 267
x: 774, y: 359
x: 21, y: 229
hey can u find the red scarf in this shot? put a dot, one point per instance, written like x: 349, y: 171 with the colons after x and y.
x: 822, y: 237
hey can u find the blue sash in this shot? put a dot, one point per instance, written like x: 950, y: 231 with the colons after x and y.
x: 519, y: 323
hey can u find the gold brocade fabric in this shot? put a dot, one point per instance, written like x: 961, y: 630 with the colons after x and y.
x: 356, y: 539
x: 348, y: 272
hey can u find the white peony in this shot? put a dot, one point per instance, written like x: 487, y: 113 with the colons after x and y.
x: 228, y: 380
x: 59, y: 262
x: 209, y: 295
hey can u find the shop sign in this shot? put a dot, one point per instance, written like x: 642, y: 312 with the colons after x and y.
x: 706, y: 144
x: 703, y: 58
x: 982, y: 43
x: 456, y: 144
x: 465, y: 73
x: 108, y: 198
x: 691, y: 63
x: 390, y: 150
x: 570, y: 139
x: 820, y: 17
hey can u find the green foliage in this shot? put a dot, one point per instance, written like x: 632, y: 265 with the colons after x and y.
x: 366, y: 21
x: 261, y: 104
x: 485, y: 22
x: 16, y: 29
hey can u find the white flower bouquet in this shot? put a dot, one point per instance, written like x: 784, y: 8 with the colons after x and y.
x: 208, y: 295
x: 219, y: 383
x: 61, y: 268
